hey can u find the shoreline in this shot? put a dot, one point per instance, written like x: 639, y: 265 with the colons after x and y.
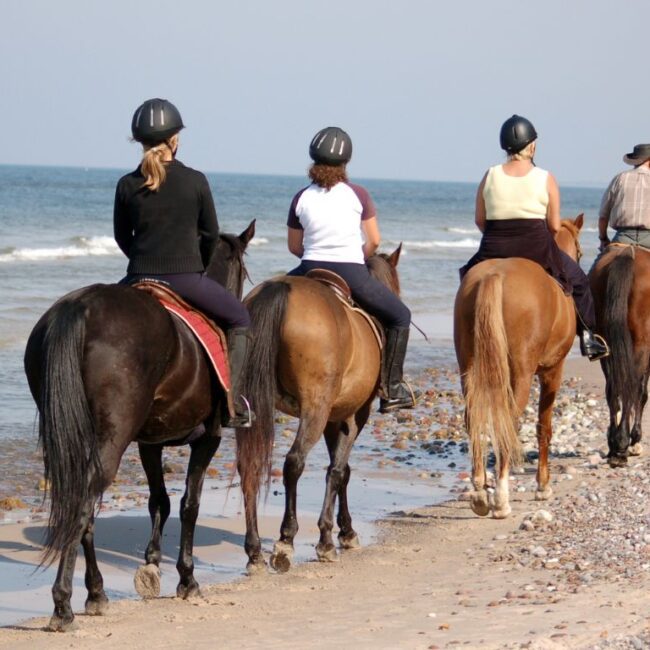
x: 439, y: 576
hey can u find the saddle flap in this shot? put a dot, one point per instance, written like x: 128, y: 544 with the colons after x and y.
x: 332, y: 280
x: 208, y: 333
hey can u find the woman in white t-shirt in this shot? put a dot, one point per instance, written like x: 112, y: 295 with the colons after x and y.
x: 332, y: 225
x: 518, y: 212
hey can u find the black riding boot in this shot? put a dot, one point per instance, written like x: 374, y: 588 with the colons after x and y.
x: 592, y: 346
x: 238, y: 345
x: 395, y: 394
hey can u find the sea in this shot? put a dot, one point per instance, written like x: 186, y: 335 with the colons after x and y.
x: 56, y: 236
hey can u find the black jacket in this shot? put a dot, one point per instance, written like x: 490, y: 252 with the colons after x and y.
x: 173, y: 230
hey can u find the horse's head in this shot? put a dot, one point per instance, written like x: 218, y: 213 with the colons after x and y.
x: 227, y: 262
x: 567, y: 238
x: 383, y: 267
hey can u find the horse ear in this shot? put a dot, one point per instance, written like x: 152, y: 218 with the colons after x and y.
x: 393, y: 258
x: 579, y: 221
x: 248, y: 234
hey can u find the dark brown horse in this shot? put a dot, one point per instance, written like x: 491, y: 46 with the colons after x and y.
x: 620, y: 282
x: 315, y: 359
x: 511, y: 321
x: 108, y: 365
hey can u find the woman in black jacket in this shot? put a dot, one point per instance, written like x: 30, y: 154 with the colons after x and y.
x: 165, y: 222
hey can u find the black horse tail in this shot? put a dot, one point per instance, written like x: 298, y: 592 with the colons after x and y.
x: 620, y: 367
x: 66, y: 429
x: 267, y: 309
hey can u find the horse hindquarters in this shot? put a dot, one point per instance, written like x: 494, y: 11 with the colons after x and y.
x: 490, y: 405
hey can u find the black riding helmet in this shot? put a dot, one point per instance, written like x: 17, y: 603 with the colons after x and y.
x: 331, y: 146
x: 516, y: 133
x: 155, y: 121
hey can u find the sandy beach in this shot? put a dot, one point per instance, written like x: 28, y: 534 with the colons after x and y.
x: 572, y: 572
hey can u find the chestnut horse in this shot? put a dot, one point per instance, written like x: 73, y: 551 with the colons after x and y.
x: 511, y: 321
x: 620, y: 282
x: 107, y: 365
x: 315, y: 359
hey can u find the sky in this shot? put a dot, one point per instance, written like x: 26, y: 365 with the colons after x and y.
x: 421, y: 86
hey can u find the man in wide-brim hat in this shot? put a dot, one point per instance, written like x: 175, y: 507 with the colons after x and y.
x: 626, y: 203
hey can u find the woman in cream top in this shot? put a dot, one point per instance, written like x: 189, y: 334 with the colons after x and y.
x: 518, y: 212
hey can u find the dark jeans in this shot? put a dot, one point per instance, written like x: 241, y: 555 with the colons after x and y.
x: 203, y: 293
x: 581, y: 292
x: 368, y: 293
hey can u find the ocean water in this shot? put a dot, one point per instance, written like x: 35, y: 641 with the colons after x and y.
x: 56, y: 236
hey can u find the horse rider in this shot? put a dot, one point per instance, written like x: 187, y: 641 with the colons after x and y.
x: 626, y: 203
x: 165, y: 222
x: 327, y: 225
x: 518, y: 212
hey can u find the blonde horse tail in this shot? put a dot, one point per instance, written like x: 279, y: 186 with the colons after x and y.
x: 491, y: 409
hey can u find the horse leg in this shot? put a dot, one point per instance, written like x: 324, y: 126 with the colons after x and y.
x: 63, y: 617
x: 147, y: 577
x: 311, y: 426
x: 521, y: 381
x: 479, y: 499
x: 339, y: 438
x: 636, y: 448
x: 203, y: 451
x: 549, y: 385
x: 97, y: 602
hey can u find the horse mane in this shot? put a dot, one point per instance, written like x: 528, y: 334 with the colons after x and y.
x: 381, y: 269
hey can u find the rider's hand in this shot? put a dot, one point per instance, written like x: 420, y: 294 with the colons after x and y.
x: 603, y: 244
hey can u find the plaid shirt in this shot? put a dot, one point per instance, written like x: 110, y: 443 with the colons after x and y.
x: 626, y: 202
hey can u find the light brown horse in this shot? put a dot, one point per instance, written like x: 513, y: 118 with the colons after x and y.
x: 620, y: 282
x: 315, y: 359
x: 511, y: 321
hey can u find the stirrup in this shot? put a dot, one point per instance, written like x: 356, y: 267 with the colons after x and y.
x: 241, y: 420
x: 598, y: 338
x: 387, y: 404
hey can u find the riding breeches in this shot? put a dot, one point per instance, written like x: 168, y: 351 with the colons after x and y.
x: 370, y: 294
x: 204, y: 293
x: 581, y: 292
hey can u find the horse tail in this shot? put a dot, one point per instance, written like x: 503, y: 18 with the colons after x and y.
x: 267, y: 309
x: 621, y: 369
x: 66, y: 429
x: 491, y: 408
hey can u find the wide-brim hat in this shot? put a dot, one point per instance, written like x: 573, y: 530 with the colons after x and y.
x: 640, y: 154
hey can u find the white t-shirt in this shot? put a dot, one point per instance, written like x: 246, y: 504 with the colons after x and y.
x: 331, y: 221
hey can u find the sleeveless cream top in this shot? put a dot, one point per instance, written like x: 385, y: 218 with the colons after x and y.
x: 515, y: 197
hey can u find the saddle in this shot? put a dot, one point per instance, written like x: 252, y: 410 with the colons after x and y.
x: 342, y: 291
x: 208, y: 334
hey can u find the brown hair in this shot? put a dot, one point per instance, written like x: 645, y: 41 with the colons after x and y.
x: 152, y: 165
x: 327, y: 176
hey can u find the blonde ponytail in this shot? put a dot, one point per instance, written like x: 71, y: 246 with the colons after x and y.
x: 153, y: 159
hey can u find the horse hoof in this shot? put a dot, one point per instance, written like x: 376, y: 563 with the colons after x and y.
x: 281, y: 557
x: 479, y: 503
x: 501, y: 513
x: 58, y: 624
x: 617, y: 461
x: 97, y: 607
x: 349, y: 541
x: 188, y: 591
x: 326, y: 553
x: 256, y: 567
x: 636, y: 449
x: 543, y: 495
x: 147, y: 581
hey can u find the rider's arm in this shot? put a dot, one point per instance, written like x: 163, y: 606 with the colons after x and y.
x: 294, y: 240
x: 208, y: 225
x: 371, y: 234
x: 122, y: 227
x: 553, y: 218
x: 479, y: 212
x: 605, y: 213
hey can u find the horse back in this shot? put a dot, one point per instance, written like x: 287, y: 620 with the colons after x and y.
x: 328, y: 351
x: 539, y: 320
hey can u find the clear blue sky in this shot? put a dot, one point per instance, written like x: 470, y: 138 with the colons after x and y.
x: 422, y: 86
